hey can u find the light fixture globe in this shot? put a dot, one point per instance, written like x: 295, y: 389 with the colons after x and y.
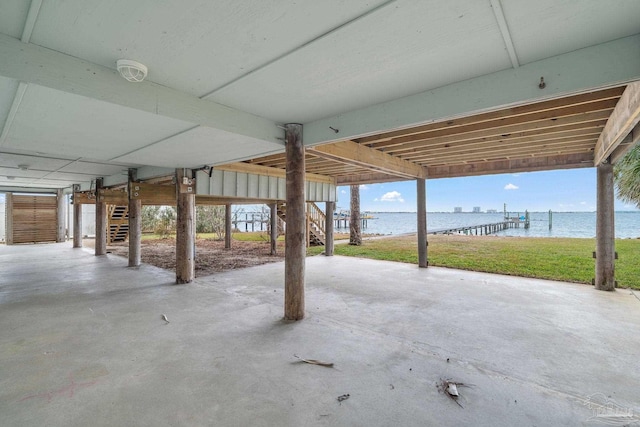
x: 133, y: 71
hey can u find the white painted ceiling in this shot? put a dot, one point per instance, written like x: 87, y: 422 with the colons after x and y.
x: 283, y: 61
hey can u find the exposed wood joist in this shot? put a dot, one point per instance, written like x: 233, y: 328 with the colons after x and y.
x: 553, y: 134
x: 508, y: 116
x: 352, y: 153
x: 367, y: 178
x: 624, y: 118
x: 270, y: 171
x: 562, y: 161
x: 540, y: 126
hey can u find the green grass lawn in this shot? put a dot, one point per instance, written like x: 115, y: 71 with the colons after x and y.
x: 545, y: 258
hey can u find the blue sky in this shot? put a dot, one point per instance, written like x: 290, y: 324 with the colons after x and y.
x: 561, y: 191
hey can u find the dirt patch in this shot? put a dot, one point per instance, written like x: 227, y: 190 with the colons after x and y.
x: 211, y: 256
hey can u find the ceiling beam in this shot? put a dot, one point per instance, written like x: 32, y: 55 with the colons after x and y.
x: 367, y: 178
x: 626, y: 145
x: 30, y: 22
x: 553, y: 162
x: 584, y: 70
x: 504, y: 29
x: 271, y: 171
x: 352, y: 153
x: 29, y: 63
x: 625, y: 116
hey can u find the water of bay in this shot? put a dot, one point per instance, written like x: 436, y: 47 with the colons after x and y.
x: 564, y: 224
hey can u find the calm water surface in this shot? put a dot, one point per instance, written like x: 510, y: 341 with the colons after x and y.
x: 564, y: 224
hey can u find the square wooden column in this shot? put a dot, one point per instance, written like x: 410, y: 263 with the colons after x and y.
x: 295, y: 235
x: 185, y: 227
x: 61, y: 227
x: 101, y: 221
x: 228, y: 224
x: 330, y: 208
x: 422, y: 222
x: 135, y: 222
x: 77, y: 223
x: 273, y: 226
x: 605, y: 229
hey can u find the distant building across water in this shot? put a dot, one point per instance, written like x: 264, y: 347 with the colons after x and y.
x: 476, y: 209
x: 492, y: 211
x: 457, y: 209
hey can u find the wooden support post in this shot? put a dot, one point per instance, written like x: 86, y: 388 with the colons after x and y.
x: 273, y: 226
x: 227, y: 226
x: 355, y: 227
x: 422, y: 222
x: 185, y: 227
x: 605, y: 230
x: 330, y: 208
x: 61, y: 229
x: 295, y: 245
x: 135, y: 223
x: 77, y: 224
x: 101, y: 221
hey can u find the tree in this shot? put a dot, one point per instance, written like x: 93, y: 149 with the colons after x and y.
x: 627, y: 176
x: 150, y: 218
x: 355, y: 232
x: 210, y: 219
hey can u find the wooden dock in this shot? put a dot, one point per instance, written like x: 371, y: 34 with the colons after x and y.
x: 481, y: 229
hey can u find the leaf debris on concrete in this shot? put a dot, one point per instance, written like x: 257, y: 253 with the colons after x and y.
x: 450, y: 388
x: 314, y: 362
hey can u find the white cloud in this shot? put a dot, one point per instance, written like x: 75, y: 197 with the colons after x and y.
x: 364, y: 187
x: 510, y: 187
x: 392, y: 196
x: 583, y: 203
x: 343, y: 192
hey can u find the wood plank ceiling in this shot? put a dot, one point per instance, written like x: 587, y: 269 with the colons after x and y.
x: 553, y: 134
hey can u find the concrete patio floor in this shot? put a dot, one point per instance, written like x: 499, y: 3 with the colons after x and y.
x: 83, y: 343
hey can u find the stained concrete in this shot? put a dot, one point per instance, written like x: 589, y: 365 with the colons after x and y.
x: 82, y: 343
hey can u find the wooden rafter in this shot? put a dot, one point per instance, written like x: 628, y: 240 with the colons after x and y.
x: 352, y: 153
x: 624, y: 118
x: 553, y: 134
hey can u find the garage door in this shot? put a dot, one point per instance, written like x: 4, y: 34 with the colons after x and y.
x: 31, y: 219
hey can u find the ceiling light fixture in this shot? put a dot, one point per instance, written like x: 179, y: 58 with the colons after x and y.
x: 132, y: 71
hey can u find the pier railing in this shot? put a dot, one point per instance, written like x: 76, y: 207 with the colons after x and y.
x: 481, y: 229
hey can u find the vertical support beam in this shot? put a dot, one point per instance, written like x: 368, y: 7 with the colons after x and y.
x: 227, y: 226
x: 135, y: 223
x: 77, y: 224
x: 605, y: 230
x: 185, y: 230
x: 101, y: 221
x: 295, y: 235
x: 8, y: 199
x: 60, y: 234
x: 422, y: 222
x: 330, y: 208
x: 273, y: 226
x: 355, y: 225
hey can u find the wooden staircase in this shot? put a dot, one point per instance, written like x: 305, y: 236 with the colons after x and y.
x: 315, y: 223
x: 117, y: 223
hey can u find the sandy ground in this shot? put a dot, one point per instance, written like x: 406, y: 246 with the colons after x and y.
x: 211, y: 256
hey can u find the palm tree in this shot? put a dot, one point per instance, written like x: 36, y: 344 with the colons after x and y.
x: 627, y: 176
